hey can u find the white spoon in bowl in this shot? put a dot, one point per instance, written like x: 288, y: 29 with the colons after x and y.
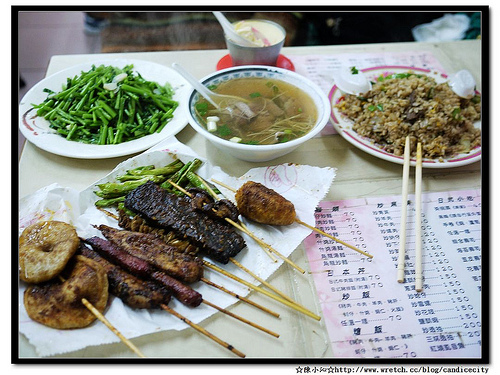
x: 231, y: 32
x: 463, y: 84
x: 351, y: 81
x: 212, y: 97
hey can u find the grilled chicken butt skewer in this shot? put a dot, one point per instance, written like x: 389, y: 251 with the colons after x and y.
x: 263, y: 205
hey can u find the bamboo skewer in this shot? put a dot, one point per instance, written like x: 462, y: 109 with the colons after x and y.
x: 418, y: 219
x: 307, y: 225
x: 333, y: 238
x: 246, y: 300
x: 263, y: 291
x: 238, y: 226
x: 269, y: 247
x: 230, y: 188
x: 262, y: 245
x: 101, y: 317
x: 241, y: 319
x: 278, y: 292
x: 203, y: 331
x: 110, y: 214
x: 404, y: 200
x: 106, y: 322
x: 215, y: 196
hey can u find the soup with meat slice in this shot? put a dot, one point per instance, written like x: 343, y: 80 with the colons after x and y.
x: 271, y: 112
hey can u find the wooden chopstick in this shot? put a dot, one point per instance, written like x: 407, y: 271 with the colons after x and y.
x: 418, y: 219
x: 404, y: 203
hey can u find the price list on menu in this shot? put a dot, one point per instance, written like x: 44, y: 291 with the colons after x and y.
x: 366, y: 311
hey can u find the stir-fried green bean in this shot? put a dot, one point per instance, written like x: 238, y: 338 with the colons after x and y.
x: 108, y: 105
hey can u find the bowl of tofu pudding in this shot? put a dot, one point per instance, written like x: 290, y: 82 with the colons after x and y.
x: 266, y: 37
x: 279, y: 111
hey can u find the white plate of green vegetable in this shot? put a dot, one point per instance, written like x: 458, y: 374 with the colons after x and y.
x: 104, y: 109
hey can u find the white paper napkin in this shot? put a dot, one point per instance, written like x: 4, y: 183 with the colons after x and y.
x: 304, y: 185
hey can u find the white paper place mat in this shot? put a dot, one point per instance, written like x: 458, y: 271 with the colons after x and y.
x: 304, y: 185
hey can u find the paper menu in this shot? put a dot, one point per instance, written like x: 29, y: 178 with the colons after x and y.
x: 367, y: 312
x: 318, y: 67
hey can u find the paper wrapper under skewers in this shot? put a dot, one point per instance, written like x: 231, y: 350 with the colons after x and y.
x: 303, y: 185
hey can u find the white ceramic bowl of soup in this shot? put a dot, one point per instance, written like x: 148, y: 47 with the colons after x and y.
x: 290, y: 86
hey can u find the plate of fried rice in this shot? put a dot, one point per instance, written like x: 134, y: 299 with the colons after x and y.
x: 410, y: 101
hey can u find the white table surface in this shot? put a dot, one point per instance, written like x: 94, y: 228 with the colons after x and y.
x: 358, y: 175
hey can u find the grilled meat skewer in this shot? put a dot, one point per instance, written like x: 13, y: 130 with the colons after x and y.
x: 155, y: 251
x: 134, y: 292
x: 263, y: 205
x: 221, y: 209
x: 138, y: 224
x: 163, y: 209
x: 121, y: 258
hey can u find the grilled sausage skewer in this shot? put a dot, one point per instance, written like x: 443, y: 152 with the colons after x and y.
x: 139, y: 225
x: 146, y: 289
x: 133, y: 291
x: 142, y: 268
